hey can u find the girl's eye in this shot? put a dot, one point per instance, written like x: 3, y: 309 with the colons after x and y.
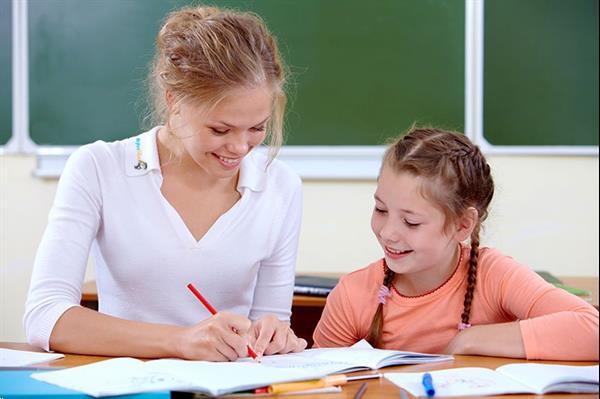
x: 258, y: 129
x: 380, y: 210
x: 411, y: 225
x: 219, y: 132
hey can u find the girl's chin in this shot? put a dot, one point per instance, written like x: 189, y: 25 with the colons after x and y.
x: 394, y: 268
x: 397, y: 263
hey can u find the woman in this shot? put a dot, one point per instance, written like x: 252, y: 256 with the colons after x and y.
x: 187, y: 202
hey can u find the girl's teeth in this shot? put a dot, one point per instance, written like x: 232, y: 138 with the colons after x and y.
x: 397, y: 252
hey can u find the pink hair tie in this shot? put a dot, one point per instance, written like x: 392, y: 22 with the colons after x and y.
x: 463, y: 326
x: 383, y: 294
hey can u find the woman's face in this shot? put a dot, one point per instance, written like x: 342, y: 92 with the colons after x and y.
x: 217, y: 141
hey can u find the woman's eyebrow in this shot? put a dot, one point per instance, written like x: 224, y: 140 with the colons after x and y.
x: 257, y: 124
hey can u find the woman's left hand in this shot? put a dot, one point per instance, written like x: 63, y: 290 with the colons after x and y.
x: 274, y: 336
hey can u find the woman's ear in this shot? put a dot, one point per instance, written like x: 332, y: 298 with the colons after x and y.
x: 466, y: 223
x: 171, y: 102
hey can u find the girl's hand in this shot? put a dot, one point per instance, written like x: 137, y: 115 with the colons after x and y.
x: 502, y: 340
x: 459, y: 344
x: 222, y: 337
x: 275, y: 336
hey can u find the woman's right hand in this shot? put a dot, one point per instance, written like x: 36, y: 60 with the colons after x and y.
x: 221, y: 337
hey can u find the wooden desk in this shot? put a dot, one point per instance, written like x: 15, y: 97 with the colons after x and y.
x: 587, y: 283
x: 377, y: 389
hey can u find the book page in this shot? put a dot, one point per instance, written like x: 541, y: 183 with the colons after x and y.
x: 466, y: 381
x: 540, y: 376
x: 307, y: 360
x: 117, y: 376
x: 218, y: 378
x: 122, y: 376
x: 359, y: 356
x: 17, y: 358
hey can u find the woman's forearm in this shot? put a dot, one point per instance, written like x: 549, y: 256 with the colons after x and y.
x: 81, y: 330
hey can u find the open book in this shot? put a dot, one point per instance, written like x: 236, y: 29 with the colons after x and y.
x: 509, y: 379
x: 127, y: 375
x: 360, y: 356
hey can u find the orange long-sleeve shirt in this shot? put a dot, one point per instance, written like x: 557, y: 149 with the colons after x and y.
x: 554, y: 324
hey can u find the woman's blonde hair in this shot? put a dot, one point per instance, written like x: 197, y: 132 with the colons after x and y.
x: 204, y: 54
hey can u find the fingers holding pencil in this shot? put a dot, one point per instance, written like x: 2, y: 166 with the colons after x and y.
x: 221, y: 337
x: 232, y: 331
x: 226, y: 332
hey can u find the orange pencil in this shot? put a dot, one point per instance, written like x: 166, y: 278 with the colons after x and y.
x: 212, y: 310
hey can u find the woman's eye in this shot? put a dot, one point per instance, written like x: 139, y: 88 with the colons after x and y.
x: 380, y: 210
x: 409, y: 224
x: 258, y: 129
x: 219, y: 131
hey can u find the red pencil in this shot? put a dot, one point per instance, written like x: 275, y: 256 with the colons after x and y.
x: 212, y: 310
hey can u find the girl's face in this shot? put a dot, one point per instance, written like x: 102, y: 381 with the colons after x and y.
x: 410, y: 228
x: 219, y: 140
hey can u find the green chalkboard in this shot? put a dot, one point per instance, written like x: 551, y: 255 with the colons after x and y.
x: 5, y: 71
x: 541, y: 72
x: 361, y: 72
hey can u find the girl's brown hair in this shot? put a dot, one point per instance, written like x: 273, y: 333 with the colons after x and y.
x: 205, y: 53
x: 456, y: 177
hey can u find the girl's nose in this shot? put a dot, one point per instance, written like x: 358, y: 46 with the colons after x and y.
x: 390, y: 231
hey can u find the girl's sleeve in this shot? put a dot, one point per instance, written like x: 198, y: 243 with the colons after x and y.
x: 275, y: 283
x: 63, y: 252
x: 555, y: 325
x: 338, y: 324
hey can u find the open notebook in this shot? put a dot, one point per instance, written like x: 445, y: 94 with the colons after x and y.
x: 360, y: 356
x: 127, y: 375
x: 509, y: 379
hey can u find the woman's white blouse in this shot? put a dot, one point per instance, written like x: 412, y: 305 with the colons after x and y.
x: 143, y: 253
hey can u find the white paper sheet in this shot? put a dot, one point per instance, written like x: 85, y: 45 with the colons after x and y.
x: 16, y: 358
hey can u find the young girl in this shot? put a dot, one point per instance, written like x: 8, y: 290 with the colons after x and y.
x: 187, y: 202
x: 432, y: 292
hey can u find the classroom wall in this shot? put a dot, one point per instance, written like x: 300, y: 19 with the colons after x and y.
x: 545, y: 214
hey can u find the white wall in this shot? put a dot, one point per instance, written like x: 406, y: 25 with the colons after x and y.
x: 545, y: 214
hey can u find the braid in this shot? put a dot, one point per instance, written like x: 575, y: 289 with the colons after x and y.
x: 472, y: 275
x: 376, y: 328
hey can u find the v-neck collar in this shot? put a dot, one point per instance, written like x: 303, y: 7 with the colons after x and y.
x: 215, y: 231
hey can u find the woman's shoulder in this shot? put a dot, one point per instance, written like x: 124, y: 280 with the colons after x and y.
x: 110, y: 155
x: 280, y: 171
x: 260, y: 172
